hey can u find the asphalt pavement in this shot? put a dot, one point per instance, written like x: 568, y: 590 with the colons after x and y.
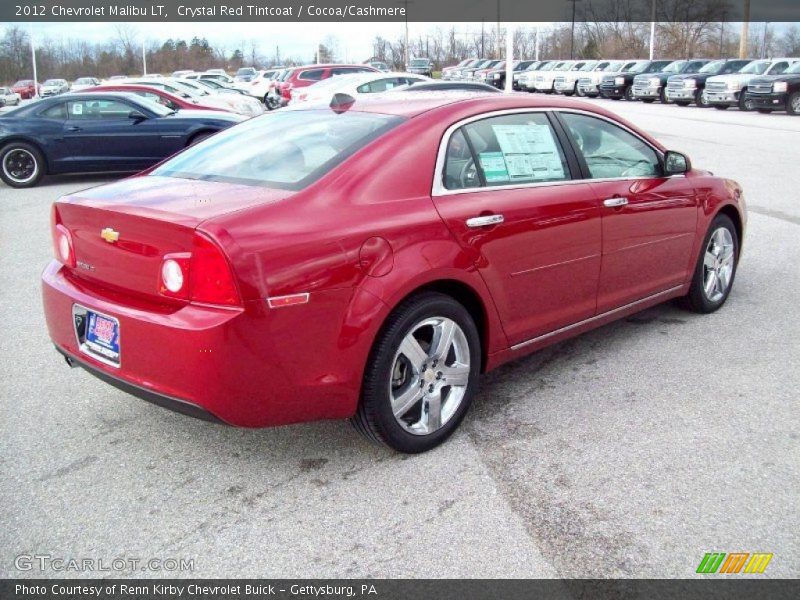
x: 630, y: 451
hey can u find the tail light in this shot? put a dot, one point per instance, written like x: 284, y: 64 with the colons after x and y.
x: 286, y: 90
x: 62, y: 241
x: 202, y: 275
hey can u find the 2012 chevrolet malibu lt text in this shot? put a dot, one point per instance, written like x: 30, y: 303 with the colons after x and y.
x: 368, y: 260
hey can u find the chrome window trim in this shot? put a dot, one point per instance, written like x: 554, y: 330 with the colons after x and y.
x: 438, y: 188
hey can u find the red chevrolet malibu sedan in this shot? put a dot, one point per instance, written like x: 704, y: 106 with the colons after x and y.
x: 370, y: 259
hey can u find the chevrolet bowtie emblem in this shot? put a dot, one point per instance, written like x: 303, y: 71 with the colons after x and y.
x: 109, y: 235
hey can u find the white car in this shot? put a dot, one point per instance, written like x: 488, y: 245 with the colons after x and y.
x: 53, y: 87
x: 262, y: 83
x: 238, y: 103
x: 354, y: 85
x: 567, y: 83
x: 723, y: 91
x: 83, y: 83
x: 8, y: 98
x: 545, y: 80
x: 588, y: 84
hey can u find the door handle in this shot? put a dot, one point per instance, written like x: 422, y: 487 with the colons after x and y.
x: 615, y: 202
x: 73, y: 128
x: 484, y: 221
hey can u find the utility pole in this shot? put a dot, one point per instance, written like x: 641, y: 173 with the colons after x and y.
x: 745, y: 26
x: 144, y: 60
x: 536, y: 42
x: 499, y: 45
x: 653, y: 30
x: 572, y: 32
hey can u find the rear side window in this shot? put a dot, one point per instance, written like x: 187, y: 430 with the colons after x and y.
x: 348, y: 70
x: 58, y: 112
x: 286, y: 150
x: 505, y: 150
x: 694, y: 67
x: 98, y: 109
x: 380, y: 85
x: 611, y: 151
x: 312, y: 74
x: 778, y: 68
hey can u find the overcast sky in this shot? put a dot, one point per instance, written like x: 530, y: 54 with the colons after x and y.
x: 295, y: 39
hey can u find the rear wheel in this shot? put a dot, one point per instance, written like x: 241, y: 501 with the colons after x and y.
x: 421, y: 375
x: 21, y: 165
x: 716, y: 267
x: 793, y: 104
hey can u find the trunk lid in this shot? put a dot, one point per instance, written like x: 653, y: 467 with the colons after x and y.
x: 122, y: 231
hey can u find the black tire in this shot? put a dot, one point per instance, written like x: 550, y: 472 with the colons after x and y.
x: 615, y: 97
x: 648, y: 100
x: 374, y: 418
x: 697, y: 300
x: 27, y: 153
x: 744, y: 103
x: 765, y: 111
x: 682, y: 103
x: 199, y: 137
x: 629, y: 94
x: 662, y: 96
x: 700, y: 99
x: 721, y: 106
x: 793, y: 104
x: 580, y: 93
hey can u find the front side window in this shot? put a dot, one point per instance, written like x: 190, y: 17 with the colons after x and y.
x: 609, y: 150
x: 380, y: 85
x: 57, y: 112
x: 778, y: 68
x: 286, y: 150
x: 733, y: 66
x: 694, y: 67
x: 505, y: 150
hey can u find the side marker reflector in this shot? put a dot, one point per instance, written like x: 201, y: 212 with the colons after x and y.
x: 293, y: 299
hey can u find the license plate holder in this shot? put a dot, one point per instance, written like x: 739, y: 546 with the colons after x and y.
x: 98, y: 335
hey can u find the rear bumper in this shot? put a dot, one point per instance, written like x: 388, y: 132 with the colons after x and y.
x: 248, y: 367
x: 162, y: 400
x: 772, y: 100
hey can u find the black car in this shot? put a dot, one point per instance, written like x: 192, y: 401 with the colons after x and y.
x: 652, y: 86
x: 776, y: 92
x: 687, y: 88
x: 448, y: 86
x: 420, y: 66
x: 94, y: 132
x: 620, y: 85
x: 497, y: 76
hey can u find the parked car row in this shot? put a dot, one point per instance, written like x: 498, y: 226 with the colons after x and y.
x: 765, y: 85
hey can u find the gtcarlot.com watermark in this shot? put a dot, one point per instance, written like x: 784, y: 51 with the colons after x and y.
x: 60, y: 564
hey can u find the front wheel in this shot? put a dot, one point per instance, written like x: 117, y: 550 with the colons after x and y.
x: 700, y: 99
x: 716, y: 267
x: 629, y: 94
x: 744, y: 103
x: 681, y: 103
x: 421, y: 375
x: 793, y: 104
x: 21, y: 165
x: 721, y: 106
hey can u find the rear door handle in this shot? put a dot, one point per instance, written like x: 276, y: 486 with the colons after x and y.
x: 614, y: 202
x: 484, y: 221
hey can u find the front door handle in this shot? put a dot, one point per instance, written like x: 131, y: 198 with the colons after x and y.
x: 73, y: 128
x: 615, y: 202
x: 484, y: 221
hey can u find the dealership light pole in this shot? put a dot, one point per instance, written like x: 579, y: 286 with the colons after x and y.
x: 144, y: 60
x: 745, y: 26
x: 572, y: 32
x: 33, y: 58
x: 509, y: 57
x: 653, y: 30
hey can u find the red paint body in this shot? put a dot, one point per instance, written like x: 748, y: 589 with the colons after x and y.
x: 27, y: 90
x: 296, y: 78
x: 358, y: 241
x: 166, y: 97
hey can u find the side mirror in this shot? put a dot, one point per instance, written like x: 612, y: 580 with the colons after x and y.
x: 137, y: 115
x: 676, y: 163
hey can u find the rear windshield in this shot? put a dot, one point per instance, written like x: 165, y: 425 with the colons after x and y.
x: 287, y: 150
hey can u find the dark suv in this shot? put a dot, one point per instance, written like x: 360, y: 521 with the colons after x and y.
x: 776, y: 92
x: 497, y: 76
x: 687, y: 88
x: 652, y: 86
x: 620, y: 85
x: 420, y: 66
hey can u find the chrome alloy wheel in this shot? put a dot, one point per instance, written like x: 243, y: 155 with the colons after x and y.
x: 718, y: 264
x: 796, y: 104
x: 19, y: 165
x: 430, y: 374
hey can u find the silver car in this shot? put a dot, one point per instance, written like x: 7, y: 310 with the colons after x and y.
x: 8, y: 98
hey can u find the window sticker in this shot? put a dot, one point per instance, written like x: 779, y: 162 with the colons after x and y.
x: 530, y: 152
x: 494, y: 167
x: 77, y: 108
